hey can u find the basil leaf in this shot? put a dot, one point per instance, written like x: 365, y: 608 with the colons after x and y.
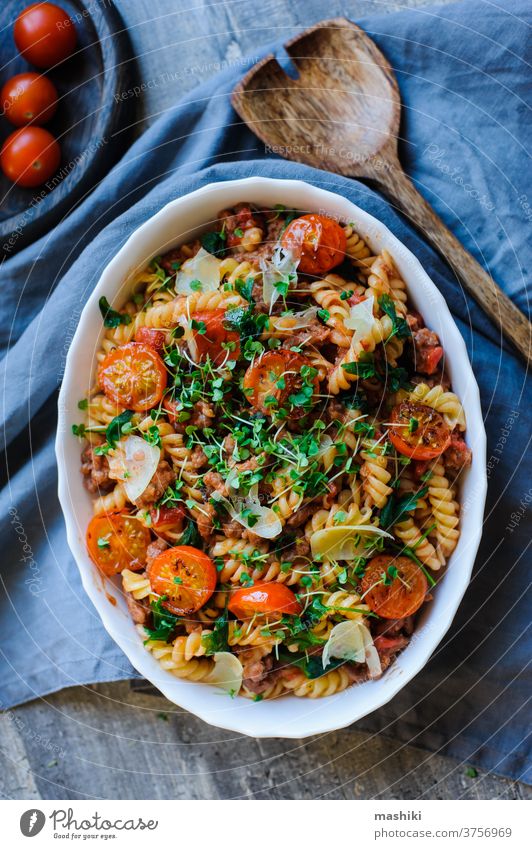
x: 112, y: 318
x: 113, y: 431
x: 395, y: 508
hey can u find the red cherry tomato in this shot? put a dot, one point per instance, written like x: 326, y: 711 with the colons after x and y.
x: 30, y: 156
x: 418, y: 431
x: 29, y: 99
x: 274, y: 377
x: 210, y: 343
x: 186, y: 576
x: 156, y: 339
x: 117, y: 542
x: 165, y: 519
x: 44, y: 34
x: 133, y: 376
x: 318, y: 240
x: 403, y: 596
x: 262, y: 599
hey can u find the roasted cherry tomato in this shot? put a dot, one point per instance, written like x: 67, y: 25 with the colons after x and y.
x: 167, y: 519
x: 418, y: 431
x: 44, y: 34
x: 29, y: 99
x: 30, y: 156
x: 403, y: 596
x: 186, y: 576
x: 263, y: 599
x: 318, y: 240
x: 156, y: 339
x: 116, y: 542
x: 133, y: 376
x: 274, y: 377
x: 210, y: 343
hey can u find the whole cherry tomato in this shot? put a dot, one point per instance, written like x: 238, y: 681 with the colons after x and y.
x: 319, y: 242
x: 44, y: 34
x: 276, y: 378
x: 402, y: 596
x: 262, y: 599
x: 156, y: 339
x: 418, y: 431
x: 29, y: 99
x: 165, y: 519
x: 210, y: 335
x: 186, y: 576
x: 134, y: 376
x: 117, y: 542
x: 30, y: 156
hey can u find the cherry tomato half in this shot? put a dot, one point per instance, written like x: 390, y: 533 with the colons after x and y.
x: 44, y: 34
x: 28, y: 99
x: 156, y: 339
x: 133, y: 376
x: 318, y: 240
x: 116, y: 542
x: 210, y: 342
x: 274, y: 377
x: 186, y: 576
x: 418, y: 431
x: 262, y: 599
x: 403, y: 596
x: 30, y: 156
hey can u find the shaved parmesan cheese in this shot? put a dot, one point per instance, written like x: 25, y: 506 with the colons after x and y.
x: 227, y: 673
x: 344, y: 542
x: 281, y: 267
x: 265, y: 522
x: 345, y: 642
x: 134, y: 462
x: 203, y: 267
x: 352, y: 640
x: 289, y: 322
x: 361, y: 319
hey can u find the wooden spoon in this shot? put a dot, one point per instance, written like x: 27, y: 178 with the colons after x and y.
x: 342, y: 114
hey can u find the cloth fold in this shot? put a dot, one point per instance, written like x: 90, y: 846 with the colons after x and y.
x: 463, y: 76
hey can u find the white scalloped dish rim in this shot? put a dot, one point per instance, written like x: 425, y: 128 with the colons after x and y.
x: 288, y: 716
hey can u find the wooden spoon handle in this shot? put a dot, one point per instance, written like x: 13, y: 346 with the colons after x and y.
x: 506, y: 316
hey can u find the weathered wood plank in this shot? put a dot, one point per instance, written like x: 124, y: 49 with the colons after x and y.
x: 114, y: 743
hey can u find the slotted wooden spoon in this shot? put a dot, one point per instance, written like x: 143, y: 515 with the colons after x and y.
x: 342, y: 114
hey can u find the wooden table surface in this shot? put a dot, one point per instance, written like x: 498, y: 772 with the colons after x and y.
x: 110, y: 741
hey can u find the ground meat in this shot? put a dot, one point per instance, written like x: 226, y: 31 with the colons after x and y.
x: 458, y: 455
x: 394, y: 627
x: 229, y: 444
x: 329, y: 499
x: 415, y: 321
x: 95, y: 469
x: 215, y: 483
x: 153, y: 551
x: 315, y: 334
x: 428, y: 351
x: 202, y: 415
x: 198, y: 458
x: 301, y: 515
x: 168, y: 261
x: 204, y: 520
x: 139, y: 612
x: 233, y: 529
x: 269, y: 243
x: 336, y: 411
x: 163, y: 477
x: 241, y: 217
x: 258, y: 673
x: 301, y: 548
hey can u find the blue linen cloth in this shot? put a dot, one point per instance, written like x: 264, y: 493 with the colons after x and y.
x: 464, y: 84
